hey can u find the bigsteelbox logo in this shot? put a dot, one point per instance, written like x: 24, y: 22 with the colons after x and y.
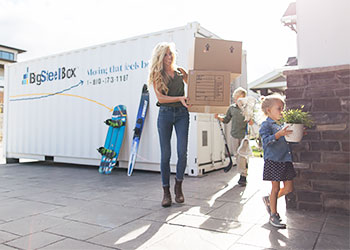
x: 48, y: 76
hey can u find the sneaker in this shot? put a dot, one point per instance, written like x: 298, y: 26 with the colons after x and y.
x: 275, y: 221
x: 278, y: 216
x: 266, y: 200
x: 242, y: 181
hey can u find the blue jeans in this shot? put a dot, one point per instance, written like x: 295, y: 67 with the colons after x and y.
x: 169, y: 117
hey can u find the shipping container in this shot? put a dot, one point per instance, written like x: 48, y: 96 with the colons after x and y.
x: 55, y: 105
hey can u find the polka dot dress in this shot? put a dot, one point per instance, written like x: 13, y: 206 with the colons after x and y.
x: 278, y: 171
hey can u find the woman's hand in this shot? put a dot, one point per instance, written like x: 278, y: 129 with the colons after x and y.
x: 183, y: 100
x: 184, y: 73
x: 168, y: 99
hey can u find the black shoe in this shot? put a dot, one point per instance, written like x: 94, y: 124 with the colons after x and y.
x: 242, y: 181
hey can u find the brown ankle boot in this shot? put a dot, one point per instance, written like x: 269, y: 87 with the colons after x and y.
x: 179, y: 196
x: 166, y: 202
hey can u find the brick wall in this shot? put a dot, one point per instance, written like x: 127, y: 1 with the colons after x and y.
x: 322, y: 158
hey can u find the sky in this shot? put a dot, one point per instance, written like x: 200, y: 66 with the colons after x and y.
x: 45, y: 27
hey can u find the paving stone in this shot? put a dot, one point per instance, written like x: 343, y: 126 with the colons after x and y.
x: 309, y: 224
x: 55, y: 198
x: 142, y: 203
x: 121, y: 198
x: 239, y: 246
x: 206, y: 222
x: 107, y: 215
x: 135, y: 235
x: 303, y: 215
x: 5, y: 247
x: 64, y: 211
x: 87, y: 195
x: 202, y: 208
x: 336, y: 229
x: 77, y: 230
x: 166, y: 214
x: 24, y: 191
x: 326, y: 242
x: 12, y: 209
x: 238, y: 212
x: 35, y: 240
x: 338, y: 219
x: 73, y: 244
x: 269, y: 237
x: 31, y: 224
x: 194, y: 238
x: 5, y: 236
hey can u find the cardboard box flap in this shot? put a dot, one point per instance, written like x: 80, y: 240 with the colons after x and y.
x: 217, y: 54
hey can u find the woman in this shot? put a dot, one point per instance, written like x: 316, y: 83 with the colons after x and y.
x: 168, y: 84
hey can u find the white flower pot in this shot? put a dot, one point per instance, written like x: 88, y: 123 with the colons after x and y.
x: 297, y: 134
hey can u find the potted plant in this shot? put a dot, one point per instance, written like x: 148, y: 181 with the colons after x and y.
x: 296, y: 119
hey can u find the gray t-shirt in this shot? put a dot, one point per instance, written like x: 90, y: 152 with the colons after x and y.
x: 238, y: 126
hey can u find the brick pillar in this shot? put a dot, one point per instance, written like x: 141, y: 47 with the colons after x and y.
x: 322, y: 158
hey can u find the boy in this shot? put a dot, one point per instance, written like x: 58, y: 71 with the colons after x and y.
x: 238, y: 130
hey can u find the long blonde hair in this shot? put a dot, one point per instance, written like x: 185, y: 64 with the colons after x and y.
x: 157, y: 75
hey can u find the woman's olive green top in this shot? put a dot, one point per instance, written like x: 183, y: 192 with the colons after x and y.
x: 176, y: 87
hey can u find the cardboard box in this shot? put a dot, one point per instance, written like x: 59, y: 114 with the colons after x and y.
x: 208, y: 109
x: 209, y: 88
x: 217, y: 54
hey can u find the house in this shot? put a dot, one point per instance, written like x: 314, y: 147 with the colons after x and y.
x: 7, y: 55
x: 322, y: 85
x: 274, y: 81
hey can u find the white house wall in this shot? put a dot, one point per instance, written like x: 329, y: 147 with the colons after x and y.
x: 323, y: 33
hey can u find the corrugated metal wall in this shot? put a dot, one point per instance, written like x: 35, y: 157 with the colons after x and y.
x: 64, y: 119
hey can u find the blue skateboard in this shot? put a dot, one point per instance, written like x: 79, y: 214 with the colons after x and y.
x: 114, y: 139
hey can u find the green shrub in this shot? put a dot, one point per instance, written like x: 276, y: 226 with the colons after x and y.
x: 297, y: 116
x: 257, y: 152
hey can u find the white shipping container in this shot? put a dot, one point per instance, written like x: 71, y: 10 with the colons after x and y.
x: 55, y: 105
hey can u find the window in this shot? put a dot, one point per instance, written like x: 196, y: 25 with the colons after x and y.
x: 204, y: 138
x: 7, y: 55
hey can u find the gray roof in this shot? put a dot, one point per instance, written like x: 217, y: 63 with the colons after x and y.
x: 8, y: 47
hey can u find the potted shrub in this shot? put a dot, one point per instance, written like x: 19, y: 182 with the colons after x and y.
x: 296, y: 119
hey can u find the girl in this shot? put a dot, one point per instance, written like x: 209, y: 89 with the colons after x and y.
x: 278, y: 164
x: 168, y: 83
